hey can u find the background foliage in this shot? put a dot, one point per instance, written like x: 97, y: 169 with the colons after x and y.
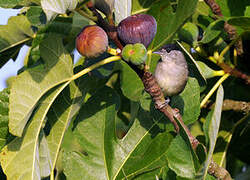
x: 57, y: 124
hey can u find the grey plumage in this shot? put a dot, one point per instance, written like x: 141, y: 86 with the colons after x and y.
x: 171, y: 72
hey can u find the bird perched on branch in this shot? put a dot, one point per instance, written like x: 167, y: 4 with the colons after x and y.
x: 171, y: 72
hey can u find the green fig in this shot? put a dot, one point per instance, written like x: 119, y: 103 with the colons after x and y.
x: 134, y: 53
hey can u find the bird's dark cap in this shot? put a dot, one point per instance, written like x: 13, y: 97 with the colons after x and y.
x: 170, y: 47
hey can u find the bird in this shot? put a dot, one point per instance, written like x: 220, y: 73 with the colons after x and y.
x: 171, y: 72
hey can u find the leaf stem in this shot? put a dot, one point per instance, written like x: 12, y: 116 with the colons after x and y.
x: 224, y: 51
x: 218, y: 83
x: 148, y: 62
x: 96, y: 65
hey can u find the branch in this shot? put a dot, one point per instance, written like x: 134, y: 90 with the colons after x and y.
x: 231, y: 31
x: 229, y: 104
x: 110, y: 29
x: 235, y: 72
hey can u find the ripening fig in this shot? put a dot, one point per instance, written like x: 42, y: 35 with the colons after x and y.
x: 134, y: 53
x: 139, y: 28
x: 92, y: 41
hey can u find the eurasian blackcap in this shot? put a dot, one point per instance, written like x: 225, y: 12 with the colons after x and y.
x: 171, y: 72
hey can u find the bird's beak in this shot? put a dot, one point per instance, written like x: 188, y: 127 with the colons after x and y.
x: 157, y: 52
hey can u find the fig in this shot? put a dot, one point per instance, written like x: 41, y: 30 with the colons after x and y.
x: 139, y: 28
x: 134, y: 53
x: 92, y: 41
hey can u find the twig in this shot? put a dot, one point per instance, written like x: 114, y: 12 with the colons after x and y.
x: 235, y: 72
x: 110, y: 29
x: 231, y: 31
x: 229, y: 104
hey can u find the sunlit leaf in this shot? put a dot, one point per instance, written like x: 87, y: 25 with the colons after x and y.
x: 211, y: 127
x: 54, y: 7
x: 13, y: 36
x: 16, y: 3
x: 33, y: 83
x: 63, y: 110
x: 4, y: 103
x: 122, y: 9
x: 20, y: 158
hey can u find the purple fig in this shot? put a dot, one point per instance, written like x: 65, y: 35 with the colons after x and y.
x: 139, y: 28
x: 92, y: 41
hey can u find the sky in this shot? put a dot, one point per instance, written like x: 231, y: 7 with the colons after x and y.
x: 11, y: 67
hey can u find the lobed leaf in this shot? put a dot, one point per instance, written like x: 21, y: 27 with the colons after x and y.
x: 20, y: 158
x: 168, y: 22
x: 181, y: 158
x: 33, y: 83
x: 65, y: 107
x: 13, y: 36
x: 122, y: 9
x: 131, y: 84
x: 190, y: 109
x: 17, y: 3
x: 213, y: 31
x: 36, y: 16
x: 54, y: 7
x: 242, y: 22
x: 101, y: 155
x: 211, y: 128
x: 4, y: 110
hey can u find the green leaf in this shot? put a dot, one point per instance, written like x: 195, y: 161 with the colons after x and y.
x: 232, y: 7
x: 36, y: 16
x: 105, y: 6
x: 192, y: 62
x: 122, y: 9
x: 33, y: 83
x: 16, y: 3
x: 211, y: 127
x: 189, y: 33
x: 181, y: 158
x: 94, y: 124
x: 207, y: 71
x: 102, y: 155
x: 131, y: 84
x: 223, y: 140
x: 54, y: 7
x: 65, y: 107
x: 247, y: 11
x: 13, y: 36
x: 242, y: 22
x: 20, y: 158
x: 141, y: 6
x: 213, y: 30
x: 4, y: 110
x: 168, y: 22
x: 188, y: 102
x: 44, y: 156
